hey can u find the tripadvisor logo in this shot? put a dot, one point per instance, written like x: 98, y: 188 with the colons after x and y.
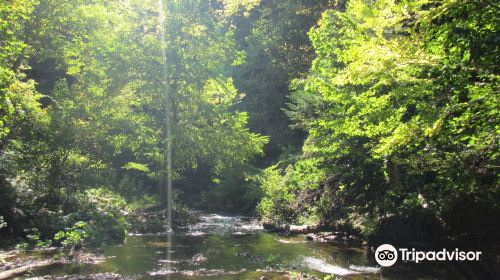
x: 387, y: 255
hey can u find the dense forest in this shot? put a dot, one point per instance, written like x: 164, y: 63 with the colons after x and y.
x: 376, y: 118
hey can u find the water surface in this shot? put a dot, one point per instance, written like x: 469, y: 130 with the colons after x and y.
x: 222, y: 247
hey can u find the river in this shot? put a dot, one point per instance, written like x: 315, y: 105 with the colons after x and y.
x: 223, y: 247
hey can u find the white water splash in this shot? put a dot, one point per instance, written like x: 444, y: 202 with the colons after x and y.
x: 221, y: 225
x: 325, y: 267
x: 365, y: 269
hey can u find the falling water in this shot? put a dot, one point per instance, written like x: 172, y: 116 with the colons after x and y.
x: 168, y: 148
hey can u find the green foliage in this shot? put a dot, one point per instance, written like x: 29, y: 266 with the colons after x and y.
x: 136, y: 166
x: 398, y: 100
x: 401, y: 111
x: 278, y: 49
x: 106, y: 230
x: 285, y: 191
x: 73, y: 236
x: 277, y: 201
x: 18, y: 101
x: 23, y: 246
x: 233, y: 6
x: 98, y: 230
x: 102, y: 211
x: 144, y: 202
x: 329, y: 277
x: 82, y: 105
x: 232, y: 190
x: 33, y: 241
x: 33, y: 236
x: 105, y: 201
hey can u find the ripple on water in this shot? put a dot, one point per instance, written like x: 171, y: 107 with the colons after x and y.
x: 214, y: 249
x: 291, y: 241
x: 168, y: 261
x: 221, y: 225
x: 195, y: 233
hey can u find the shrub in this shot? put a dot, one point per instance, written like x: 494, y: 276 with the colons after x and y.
x: 289, y: 193
x: 105, y: 229
x: 102, y: 212
x: 74, y: 236
x: 33, y: 241
x: 105, y: 201
x: 98, y: 229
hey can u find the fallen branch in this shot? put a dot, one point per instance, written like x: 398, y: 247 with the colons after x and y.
x: 25, y: 269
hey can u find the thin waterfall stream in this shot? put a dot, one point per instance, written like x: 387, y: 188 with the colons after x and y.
x: 168, y: 146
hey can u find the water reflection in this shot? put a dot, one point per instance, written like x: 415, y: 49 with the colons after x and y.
x: 221, y: 247
x: 229, y: 246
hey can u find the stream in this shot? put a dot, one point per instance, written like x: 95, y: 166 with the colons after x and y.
x: 223, y: 247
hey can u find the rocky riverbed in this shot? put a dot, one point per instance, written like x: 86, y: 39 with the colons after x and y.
x: 314, y: 233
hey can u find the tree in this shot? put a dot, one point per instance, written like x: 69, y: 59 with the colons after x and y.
x: 274, y: 37
x: 399, y: 110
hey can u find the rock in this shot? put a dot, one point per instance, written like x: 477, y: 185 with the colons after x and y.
x: 199, y: 258
x: 323, y: 237
x: 334, y: 237
x: 330, y: 238
x: 263, y: 278
x: 289, y: 229
x: 270, y: 226
x: 301, y: 229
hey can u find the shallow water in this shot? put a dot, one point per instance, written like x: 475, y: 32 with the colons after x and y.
x: 221, y: 247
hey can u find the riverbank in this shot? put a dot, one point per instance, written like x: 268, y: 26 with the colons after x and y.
x: 316, y: 233
x: 15, y: 263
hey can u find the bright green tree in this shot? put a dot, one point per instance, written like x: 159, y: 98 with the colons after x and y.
x: 401, y: 110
